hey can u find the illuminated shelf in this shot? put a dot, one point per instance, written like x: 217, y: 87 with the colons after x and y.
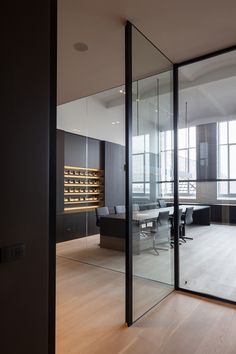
x: 81, y: 208
x: 80, y: 185
x: 81, y: 168
x: 98, y: 186
x: 82, y: 202
x: 86, y: 177
x: 81, y: 193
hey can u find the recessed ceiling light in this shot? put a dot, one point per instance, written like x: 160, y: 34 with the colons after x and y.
x: 117, y: 122
x: 80, y: 47
x: 113, y: 123
x: 121, y: 91
x: 156, y: 110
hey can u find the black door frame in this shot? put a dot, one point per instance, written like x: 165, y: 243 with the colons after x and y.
x: 52, y: 181
x: 176, y: 98
x: 128, y: 139
x: 128, y: 131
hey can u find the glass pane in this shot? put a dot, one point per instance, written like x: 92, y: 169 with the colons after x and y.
x: 223, y: 133
x: 183, y: 164
x: 183, y: 188
x: 232, y: 187
x: 232, y: 131
x: 147, y: 167
x: 147, y: 143
x: 223, y: 161
x: 192, y: 137
x: 223, y: 188
x: 138, y: 188
x: 153, y: 124
x: 183, y: 138
x: 162, y: 140
x: 232, y: 160
x: 192, y: 164
x: 138, y: 144
x: 147, y: 188
x: 166, y: 190
x: 169, y: 166
x: 138, y: 168
x: 208, y: 228
x: 169, y: 143
x: 162, y: 171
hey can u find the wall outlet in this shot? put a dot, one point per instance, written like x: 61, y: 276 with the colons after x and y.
x: 12, y: 253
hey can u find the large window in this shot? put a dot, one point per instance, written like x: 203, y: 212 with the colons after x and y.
x: 226, y: 159
x: 141, y: 165
x: 187, y: 162
x: 166, y: 187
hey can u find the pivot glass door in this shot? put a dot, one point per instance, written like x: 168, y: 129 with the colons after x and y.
x: 149, y: 180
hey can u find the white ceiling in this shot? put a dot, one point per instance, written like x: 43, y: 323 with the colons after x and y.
x: 207, y: 94
x: 182, y: 29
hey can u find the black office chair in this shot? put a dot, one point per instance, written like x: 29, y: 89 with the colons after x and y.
x: 162, y: 203
x: 180, y: 224
x: 187, y: 219
x: 103, y: 211
x: 161, y: 231
x: 119, y: 209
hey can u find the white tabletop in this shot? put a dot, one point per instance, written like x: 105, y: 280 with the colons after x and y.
x: 154, y: 213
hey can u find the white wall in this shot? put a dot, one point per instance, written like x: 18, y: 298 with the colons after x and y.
x: 90, y: 117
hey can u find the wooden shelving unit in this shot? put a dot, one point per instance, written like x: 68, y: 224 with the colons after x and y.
x: 83, y: 188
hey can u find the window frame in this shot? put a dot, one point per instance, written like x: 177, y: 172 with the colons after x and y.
x: 187, y: 195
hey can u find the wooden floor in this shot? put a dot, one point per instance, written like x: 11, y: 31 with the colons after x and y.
x: 207, y: 264
x: 90, y: 316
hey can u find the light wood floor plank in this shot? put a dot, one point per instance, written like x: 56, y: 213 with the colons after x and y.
x: 90, y: 315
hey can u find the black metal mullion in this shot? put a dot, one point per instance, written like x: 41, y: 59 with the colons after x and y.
x: 228, y: 150
x: 176, y: 176
x: 128, y: 179
x: 207, y: 56
x: 52, y: 181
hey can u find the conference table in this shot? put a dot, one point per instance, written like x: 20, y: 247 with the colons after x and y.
x: 113, y: 226
x: 154, y: 213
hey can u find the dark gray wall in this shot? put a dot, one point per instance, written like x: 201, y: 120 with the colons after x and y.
x: 25, y: 119
x: 114, y: 161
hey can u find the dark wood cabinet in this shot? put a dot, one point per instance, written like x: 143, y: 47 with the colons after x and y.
x: 108, y: 158
x: 225, y: 214
x: 114, y: 174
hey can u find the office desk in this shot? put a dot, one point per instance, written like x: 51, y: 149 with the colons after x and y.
x: 112, y: 229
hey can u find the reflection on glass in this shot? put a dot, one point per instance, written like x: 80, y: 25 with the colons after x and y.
x: 232, y: 132
x: 152, y: 143
x: 80, y: 120
x: 207, y: 150
x: 223, y: 132
x: 232, y: 158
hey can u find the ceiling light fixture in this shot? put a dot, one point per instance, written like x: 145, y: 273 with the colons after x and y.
x: 117, y: 122
x: 80, y: 47
x: 113, y: 123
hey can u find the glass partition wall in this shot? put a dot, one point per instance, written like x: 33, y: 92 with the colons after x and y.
x: 207, y: 175
x: 198, y: 135
x: 151, y: 178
